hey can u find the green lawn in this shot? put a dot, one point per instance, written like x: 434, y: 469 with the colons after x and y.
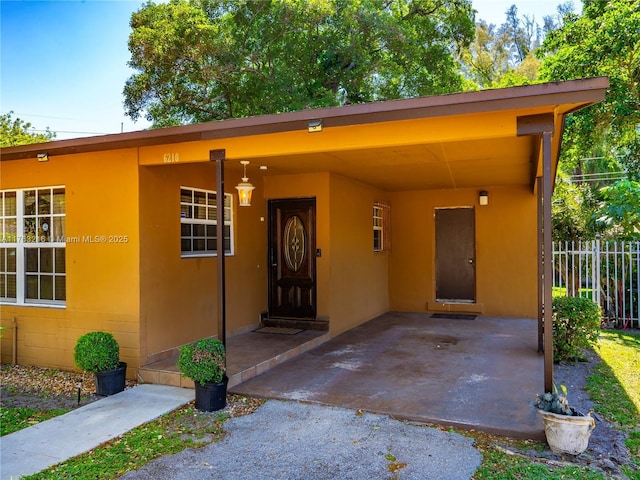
x: 562, y: 292
x: 13, y: 419
x: 615, y: 385
x: 499, y: 465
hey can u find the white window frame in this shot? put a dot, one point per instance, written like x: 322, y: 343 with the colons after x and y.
x: 381, y: 227
x: 187, y: 214
x: 21, y: 241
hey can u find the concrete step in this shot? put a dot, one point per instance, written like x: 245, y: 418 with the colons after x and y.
x: 321, y: 325
x: 164, y: 372
x: 248, y: 355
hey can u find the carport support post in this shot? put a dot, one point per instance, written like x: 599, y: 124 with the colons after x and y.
x: 540, y: 271
x: 218, y: 156
x: 547, y: 261
x: 543, y: 124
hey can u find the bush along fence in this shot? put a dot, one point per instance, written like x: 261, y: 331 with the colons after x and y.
x: 607, y: 272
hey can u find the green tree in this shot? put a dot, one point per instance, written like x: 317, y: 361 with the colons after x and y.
x: 504, y: 56
x: 620, y: 209
x: 201, y: 60
x: 574, y: 210
x: 523, y: 34
x: 16, y: 132
x: 487, y: 57
x: 580, y: 211
x: 604, y: 40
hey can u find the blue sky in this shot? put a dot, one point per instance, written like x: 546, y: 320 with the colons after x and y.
x: 63, y: 63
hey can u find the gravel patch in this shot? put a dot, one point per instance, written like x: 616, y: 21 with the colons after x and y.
x: 291, y: 440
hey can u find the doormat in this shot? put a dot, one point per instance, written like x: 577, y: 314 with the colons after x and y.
x: 454, y: 316
x: 279, y: 330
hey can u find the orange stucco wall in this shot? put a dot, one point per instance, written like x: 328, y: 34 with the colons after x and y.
x: 359, y: 277
x: 351, y: 280
x: 101, y: 285
x: 178, y: 296
x: 506, y: 251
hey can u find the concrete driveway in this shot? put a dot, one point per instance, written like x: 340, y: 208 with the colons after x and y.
x: 475, y: 374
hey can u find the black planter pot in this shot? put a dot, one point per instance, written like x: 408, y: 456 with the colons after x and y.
x: 211, y: 396
x: 109, y: 382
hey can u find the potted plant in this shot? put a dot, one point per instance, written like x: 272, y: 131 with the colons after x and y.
x: 99, y: 353
x: 566, y: 429
x: 204, y: 362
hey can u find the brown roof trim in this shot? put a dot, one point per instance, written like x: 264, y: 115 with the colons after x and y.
x: 585, y: 91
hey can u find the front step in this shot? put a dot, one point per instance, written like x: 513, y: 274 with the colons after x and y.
x: 320, y: 325
x: 165, y: 372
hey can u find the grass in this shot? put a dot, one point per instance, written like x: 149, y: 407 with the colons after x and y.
x: 14, y: 419
x: 497, y: 464
x: 562, y: 292
x: 614, y: 387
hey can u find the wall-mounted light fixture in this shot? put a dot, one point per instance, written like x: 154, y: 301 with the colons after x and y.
x: 483, y: 197
x: 244, y: 188
x: 314, y: 126
x: 43, y: 157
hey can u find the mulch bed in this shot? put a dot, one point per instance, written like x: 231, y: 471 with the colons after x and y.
x: 45, y: 389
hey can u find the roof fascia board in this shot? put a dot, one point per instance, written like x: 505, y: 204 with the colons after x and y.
x: 574, y: 92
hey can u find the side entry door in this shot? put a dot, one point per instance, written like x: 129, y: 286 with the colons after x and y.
x: 292, y: 258
x: 455, y: 254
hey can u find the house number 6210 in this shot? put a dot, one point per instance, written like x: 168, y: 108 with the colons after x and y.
x: 171, y: 158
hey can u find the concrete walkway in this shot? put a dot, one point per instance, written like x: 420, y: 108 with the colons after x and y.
x: 33, y: 449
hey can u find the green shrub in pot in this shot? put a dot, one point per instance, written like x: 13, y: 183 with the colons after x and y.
x: 203, y: 361
x: 97, y: 352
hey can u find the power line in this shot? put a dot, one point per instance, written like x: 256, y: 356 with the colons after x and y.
x: 598, y: 177
x: 44, y: 116
x: 68, y: 131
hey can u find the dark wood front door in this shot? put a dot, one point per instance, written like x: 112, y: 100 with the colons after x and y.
x: 292, y: 258
x: 455, y: 254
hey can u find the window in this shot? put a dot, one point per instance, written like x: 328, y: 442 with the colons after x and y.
x: 33, y: 246
x: 381, y: 235
x: 199, y: 222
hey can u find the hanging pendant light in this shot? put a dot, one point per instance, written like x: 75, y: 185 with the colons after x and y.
x: 245, y: 188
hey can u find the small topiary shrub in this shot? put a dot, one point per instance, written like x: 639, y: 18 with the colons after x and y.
x: 203, y: 361
x: 576, y: 325
x: 97, y: 352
